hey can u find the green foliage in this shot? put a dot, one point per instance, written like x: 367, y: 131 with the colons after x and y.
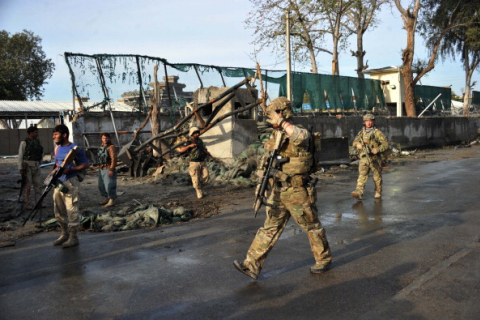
x: 463, y: 39
x: 24, y: 67
x: 457, y: 21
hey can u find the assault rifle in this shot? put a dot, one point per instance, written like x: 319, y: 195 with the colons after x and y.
x: 272, y: 162
x: 52, y: 182
x: 367, y: 151
x: 23, y: 182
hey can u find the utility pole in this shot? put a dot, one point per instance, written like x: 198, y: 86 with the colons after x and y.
x: 289, y: 63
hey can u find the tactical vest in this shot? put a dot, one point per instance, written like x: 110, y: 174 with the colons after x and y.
x: 103, y: 156
x: 371, y: 142
x: 33, y: 150
x: 198, y: 153
x: 370, y: 137
x: 301, y: 159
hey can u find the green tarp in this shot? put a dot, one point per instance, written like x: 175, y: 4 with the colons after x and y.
x: 424, y: 95
x: 476, y: 97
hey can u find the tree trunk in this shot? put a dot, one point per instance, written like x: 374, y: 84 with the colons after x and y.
x: 313, y: 60
x: 336, y: 39
x: 468, y: 83
x: 466, y: 96
x: 156, y: 103
x: 407, y: 57
x: 360, y: 54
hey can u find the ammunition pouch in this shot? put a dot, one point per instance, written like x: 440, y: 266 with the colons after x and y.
x: 61, y: 187
x: 290, y: 181
x: 298, y: 165
x: 310, y: 184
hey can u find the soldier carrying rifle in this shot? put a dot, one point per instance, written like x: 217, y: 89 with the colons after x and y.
x: 66, y: 193
x: 370, y: 143
x: 291, y: 192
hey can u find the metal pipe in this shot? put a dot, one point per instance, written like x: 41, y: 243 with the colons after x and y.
x: 105, y: 93
x: 140, y: 80
x: 429, y: 105
x: 168, y: 88
x: 223, y: 79
x: 198, y: 75
x: 179, y: 124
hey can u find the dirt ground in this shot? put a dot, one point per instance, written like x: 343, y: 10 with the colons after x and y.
x: 149, y: 190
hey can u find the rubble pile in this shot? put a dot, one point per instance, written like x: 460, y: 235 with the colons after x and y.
x: 137, y: 217
x: 175, y: 171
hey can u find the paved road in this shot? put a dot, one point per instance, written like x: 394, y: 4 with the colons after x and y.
x: 415, y: 254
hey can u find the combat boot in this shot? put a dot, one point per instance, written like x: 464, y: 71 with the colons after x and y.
x: 63, y: 235
x: 357, y: 195
x: 199, y: 193
x: 104, y: 201
x: 110, y: 203
x: 377, y: 195
x: 72, y: 239
x: 243, y: 269
x: 320, y: 268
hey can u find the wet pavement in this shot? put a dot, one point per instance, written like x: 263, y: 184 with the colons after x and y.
x: 415, y: 254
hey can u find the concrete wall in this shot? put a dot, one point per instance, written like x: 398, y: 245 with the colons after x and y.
x: 10, y: 140
x: 228, y: 139
x: 234, y: 134
x: 95, y: 124
x: 406, y: 133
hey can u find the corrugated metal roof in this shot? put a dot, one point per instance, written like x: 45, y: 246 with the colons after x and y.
x: 7, y: 106
x: 383, y: 70
x: 34, y: 106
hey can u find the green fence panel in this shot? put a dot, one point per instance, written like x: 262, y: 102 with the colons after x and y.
x: 476, y: 97
x: 334, y: 93
x: 424, y: 95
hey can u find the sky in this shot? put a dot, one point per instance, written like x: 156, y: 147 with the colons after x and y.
x: 211, y: 32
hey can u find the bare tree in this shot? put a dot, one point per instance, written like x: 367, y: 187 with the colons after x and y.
x: 268, y: 22
x: 453, y: 18
x: 335, y: 12
x: 362, y: 15
x: 463, y: 40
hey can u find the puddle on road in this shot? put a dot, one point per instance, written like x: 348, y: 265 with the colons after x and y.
x: 178, y: 261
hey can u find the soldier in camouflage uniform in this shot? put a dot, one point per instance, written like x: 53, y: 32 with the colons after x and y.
x: 290, y: 194
x: 370, y: 143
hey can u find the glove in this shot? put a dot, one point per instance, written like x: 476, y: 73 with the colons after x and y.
x: 374, y: 150
x: 359, y: 146
x: 274, y: 118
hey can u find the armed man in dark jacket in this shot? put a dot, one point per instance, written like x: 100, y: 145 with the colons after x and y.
x: 30, y: 155
x: 107, y: 174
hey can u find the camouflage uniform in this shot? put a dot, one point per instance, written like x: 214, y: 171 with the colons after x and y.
x: 291, y: 195
x: 375, y: 141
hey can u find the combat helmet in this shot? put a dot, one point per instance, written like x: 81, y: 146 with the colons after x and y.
x: 368, y: 116
x: 282, y: 104
x: 193, y: 130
